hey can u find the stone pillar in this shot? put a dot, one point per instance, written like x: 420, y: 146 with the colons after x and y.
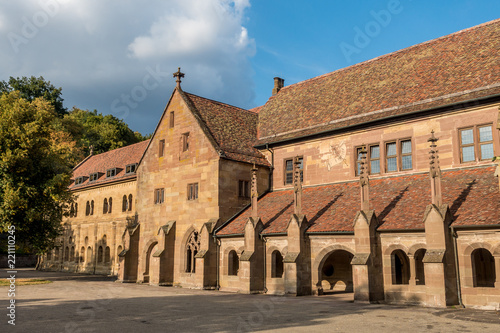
x: 497, y: 271
x: 252, y: 259
x: 413, y: 271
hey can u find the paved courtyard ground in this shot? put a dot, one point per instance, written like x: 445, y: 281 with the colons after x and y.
x: 84, y: 303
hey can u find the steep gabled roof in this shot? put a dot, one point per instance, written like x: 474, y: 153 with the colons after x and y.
x: 232, y: 130
x: 459, y: 67
x: 117, y: 158
x: 399, y: 203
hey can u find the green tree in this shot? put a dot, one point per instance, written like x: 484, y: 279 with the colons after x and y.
x: 34, y: 87
x: 36, y: 159
x: 104, y: 133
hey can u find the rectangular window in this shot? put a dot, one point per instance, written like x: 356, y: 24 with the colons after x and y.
x: 244, y: 189
x: 289, y: 170
x: 161, y: 148
x: 398, y: 155
x: 159, y: 196
x: 476, y: 143
x: 78, y: 180
x: 185, y: 141
x: 111, y: 172
x: 131, y: 168
x: 372, y: 158
x: 171, y: 121
x: 93, y: 176
x: 192, y: 191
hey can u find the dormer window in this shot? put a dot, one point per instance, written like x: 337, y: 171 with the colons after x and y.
x: 78, y: 180
x: 131, y: 168
x: 111, y: 172
x: 93, y: 176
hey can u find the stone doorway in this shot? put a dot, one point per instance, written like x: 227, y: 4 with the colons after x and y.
x: 150, y: 262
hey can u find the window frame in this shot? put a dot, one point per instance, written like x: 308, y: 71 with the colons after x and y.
x: 399, y: 155
x: 368, y: 158
x: 192, y: 191
x: 159, y: 196
x: 79, y: 180
x: 130, y: 168
x: 110, y: 172
x: 243, y: 189
x: 171, y: 122
x: 476, y: 142
x: 161, y: 148
x: 94, y: 176
x: 286, y: 172
x: 185, y: 142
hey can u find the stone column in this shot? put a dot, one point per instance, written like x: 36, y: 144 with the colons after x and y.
x: 497, y: 271
x: 413, y: 270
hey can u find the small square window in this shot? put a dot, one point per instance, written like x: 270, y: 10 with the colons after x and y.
x: 93, y: 176
x: 159, y: 196
x: 398, y: 155
x: 289, y: 170
x: 131, y: 168
x: 111, y: 172
x: 192, y: 191
x: 244, y: 189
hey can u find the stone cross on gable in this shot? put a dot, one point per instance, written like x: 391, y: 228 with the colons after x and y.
x: 435, y: 171
x: 297, y: 186
x: 178, y: 75
x: 364, y: 180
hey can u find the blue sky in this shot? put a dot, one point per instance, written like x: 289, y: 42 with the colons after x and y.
x: 118, y: 56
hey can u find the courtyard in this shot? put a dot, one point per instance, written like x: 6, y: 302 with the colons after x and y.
x: 94, y: 303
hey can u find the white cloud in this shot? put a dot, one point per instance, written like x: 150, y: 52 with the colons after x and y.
x: 99, y: 50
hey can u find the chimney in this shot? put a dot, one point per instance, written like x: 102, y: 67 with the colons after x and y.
x: 435, y: 172
x: 297, y: 187
x: 278, y: 84
x: 254, y: 194
x: 364, y: 181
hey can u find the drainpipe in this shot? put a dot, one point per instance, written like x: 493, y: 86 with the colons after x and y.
x: 217, y: 246
x: 272, y: 167
x: 457, y: 269
x: 265, y: 263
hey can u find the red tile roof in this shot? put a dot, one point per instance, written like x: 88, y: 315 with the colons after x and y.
x: 233, y: 129
x: 399, y: 203
x: 117, y: 158
x: 451, y: 69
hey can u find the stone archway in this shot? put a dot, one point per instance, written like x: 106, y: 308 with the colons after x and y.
x: 150, y: 263
x: 335, y: 272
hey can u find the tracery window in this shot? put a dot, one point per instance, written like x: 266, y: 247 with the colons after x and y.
x: 192, y: 248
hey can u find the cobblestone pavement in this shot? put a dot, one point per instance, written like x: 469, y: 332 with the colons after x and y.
x: 84, y: 303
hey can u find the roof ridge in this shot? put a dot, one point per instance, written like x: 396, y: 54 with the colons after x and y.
x: 222, y: 103
x: 113, y: 150
x: 392, y: 53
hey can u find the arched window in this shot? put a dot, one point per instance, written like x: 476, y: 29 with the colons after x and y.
x: 76, y: 209
x: 49, y: 255
x: 89, y: 254
x: 419, y: 267
x: 107, y: 255
x: 110, y: 205
x: 119, y: 250
x: 124, y: 204
x: 483, y: 268
x: 400, y: 268
x: 72, y: 210
x: 233, y: 263
x: 130, y: 202
x: 72, y: 254
x: 105, y: 206
x: 82, y: 254
x: 92, y: 207
x: 66, y: 254
x: 56, y: 254
x: 99, y: 254
x: 277, y: 264
x: 87, y: 209
x: 192, y: 247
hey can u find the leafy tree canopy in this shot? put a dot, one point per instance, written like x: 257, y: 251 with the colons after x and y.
x: 36, y: 159
x: 34, y: 87
x: 104, y: 133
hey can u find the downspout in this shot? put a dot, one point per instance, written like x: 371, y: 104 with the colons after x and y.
x: 454, y: 235
x: 272, y: 167
x: 217, y: 246
x: 265, y: 263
